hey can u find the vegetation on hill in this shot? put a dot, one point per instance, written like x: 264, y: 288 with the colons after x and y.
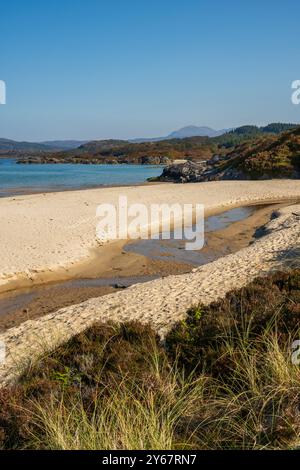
x: 250, y: 133
x: 114, y: 152
x: 273, y: 128
x: 223, y: 379
x: 267, y: 157
x: 158, y: 152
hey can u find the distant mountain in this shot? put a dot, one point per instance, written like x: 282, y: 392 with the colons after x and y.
x: 11, y: 146
x: 64, y: 144
x: 194, y: 131
x: 184, y: 133
x: 8, y: 145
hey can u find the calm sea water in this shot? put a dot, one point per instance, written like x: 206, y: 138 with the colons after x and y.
x: 16, y: 178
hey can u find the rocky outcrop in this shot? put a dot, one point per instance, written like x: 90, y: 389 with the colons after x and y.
x: 210, y: 170
x: 190, y: 172
x: 187, y: 172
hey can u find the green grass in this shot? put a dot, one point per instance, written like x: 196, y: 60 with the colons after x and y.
x: 222, y: 379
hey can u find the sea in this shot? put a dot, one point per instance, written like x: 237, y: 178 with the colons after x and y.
x: 21, y: 179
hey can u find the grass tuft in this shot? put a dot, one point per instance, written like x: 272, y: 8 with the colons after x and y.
x: 223, y: 379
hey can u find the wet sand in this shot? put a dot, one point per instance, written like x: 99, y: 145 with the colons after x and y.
x: 30, y: 303
x: 117, y: 268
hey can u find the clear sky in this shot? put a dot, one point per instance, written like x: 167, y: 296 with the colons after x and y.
x: 90, y: 69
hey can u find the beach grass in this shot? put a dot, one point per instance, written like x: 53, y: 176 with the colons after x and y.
x: 222, y: 379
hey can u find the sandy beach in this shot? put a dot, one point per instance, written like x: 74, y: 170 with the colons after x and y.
x: 135, y: 262
x: 47, y: 237
x: 52, y: 236
x: 160, y: 302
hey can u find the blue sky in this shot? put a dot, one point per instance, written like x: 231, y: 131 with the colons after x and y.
x: 90, y: 69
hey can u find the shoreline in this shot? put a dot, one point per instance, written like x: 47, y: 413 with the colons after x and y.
x: 23, y: 191
x: 50, y: 237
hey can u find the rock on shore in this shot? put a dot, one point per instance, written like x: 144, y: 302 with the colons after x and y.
x: 190, y: 172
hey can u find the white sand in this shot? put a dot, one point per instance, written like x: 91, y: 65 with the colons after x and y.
x: 161, y: 302
x: 50, y: 232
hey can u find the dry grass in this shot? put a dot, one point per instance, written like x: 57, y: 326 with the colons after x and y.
x: 224, y: 379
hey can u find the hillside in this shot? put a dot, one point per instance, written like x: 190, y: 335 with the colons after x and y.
x: 116, y: 152
x: 265, y: 157
x: 249, y: 132
x: 11, y: 146
x: 94, y: 146
x: 196, y: 148
x: 64, y: 144
x: 7, y: 145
